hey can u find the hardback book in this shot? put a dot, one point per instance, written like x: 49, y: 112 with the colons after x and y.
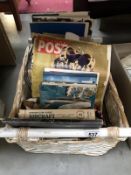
x: 62, y: 114
x: 59, y: 27
x: 63, y: 124
x: 53, y: 52
x: 67, y: 95
x: 60, y: 23
x: 62, y: 16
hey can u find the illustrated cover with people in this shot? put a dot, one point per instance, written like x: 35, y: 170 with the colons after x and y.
x: 51, y: 52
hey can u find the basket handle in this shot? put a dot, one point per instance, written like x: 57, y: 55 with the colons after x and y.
x: 27, y: 133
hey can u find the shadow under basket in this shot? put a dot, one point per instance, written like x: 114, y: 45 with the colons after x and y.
x: 115, y: 116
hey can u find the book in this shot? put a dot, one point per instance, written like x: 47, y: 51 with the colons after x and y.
x: 63, y: 114
x: 42, y: 19
x: 75, y: 16
x: 60, y: 23
x: 67, y: 96
x: 70, y: 76
x: 58, y: 27
x: 64, y: 124
x: 83, y: 56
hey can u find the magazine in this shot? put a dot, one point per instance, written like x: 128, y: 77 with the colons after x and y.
x: 52, y: 52
x: 67, y: 96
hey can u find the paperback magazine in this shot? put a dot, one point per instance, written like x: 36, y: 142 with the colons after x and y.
x: 59, y: 53
x: 67, y: 96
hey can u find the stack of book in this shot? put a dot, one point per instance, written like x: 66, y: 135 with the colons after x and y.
x: 68, y: 83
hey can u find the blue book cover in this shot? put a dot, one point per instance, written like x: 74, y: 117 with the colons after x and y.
x: 70, y: 76
x: 63, y: 95
x: 58, y: 28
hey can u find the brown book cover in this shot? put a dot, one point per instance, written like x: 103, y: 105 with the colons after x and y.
x: 62, y: 114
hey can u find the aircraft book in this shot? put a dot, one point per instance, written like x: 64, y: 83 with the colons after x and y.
x: 62, y: 114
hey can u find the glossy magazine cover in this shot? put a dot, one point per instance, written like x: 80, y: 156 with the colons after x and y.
x: 67, y: 96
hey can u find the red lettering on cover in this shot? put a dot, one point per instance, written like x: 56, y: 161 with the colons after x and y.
x: 50, y: 46
x: 57, y: 48
x: 41, y: 45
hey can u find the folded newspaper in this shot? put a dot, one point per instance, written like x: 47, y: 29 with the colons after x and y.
x: 59, y: 53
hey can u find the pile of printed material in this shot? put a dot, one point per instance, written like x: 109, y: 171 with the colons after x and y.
x: 68, y: 80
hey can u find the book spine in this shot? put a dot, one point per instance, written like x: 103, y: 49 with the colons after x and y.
x: 72, y: 114
x: 72, y: 124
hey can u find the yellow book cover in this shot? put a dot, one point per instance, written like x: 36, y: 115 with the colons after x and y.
x: 53, y: 52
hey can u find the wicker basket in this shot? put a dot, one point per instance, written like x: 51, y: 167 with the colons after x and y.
x: 92, y: 146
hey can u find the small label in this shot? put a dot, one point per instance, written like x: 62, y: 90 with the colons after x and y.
x: 92, y: 134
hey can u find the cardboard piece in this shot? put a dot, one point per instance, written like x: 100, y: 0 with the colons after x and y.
x: 120, y: 76
x: 6, y: 51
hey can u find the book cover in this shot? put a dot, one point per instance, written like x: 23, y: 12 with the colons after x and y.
x: 70, y: 76
x: 62, y: 114
x: 52, y: 52
x: 67, y: 96
x: 79, y: 28
x: 63, y: 124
